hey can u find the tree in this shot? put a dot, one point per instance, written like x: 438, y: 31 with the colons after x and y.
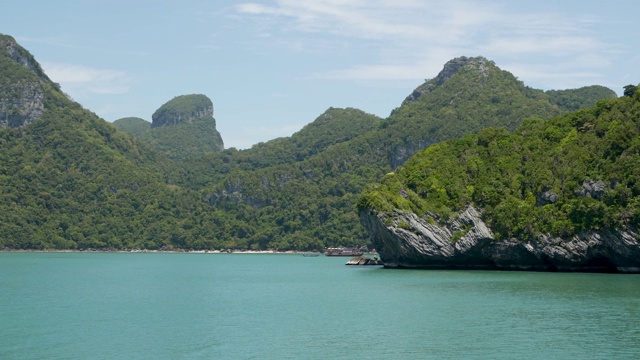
x: 629, y: 90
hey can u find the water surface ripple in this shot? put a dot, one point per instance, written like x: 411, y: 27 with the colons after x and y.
x: 268, y: 306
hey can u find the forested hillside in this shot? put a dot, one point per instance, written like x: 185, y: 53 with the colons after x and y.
x: 469, y: 94
x: 70, y: 180
x: 573, y: 174
x: 133, y: 125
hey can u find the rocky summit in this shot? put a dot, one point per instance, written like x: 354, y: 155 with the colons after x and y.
x: 184, y: 109
x: 183, y: 128
x: 22, y: 88
x: 479, y: 64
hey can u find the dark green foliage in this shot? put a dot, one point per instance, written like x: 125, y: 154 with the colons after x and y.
x: 332, y: 128
x: 476, y: 96
x: 575, y: 99
x: 573, y: 173
x: 133, y: 125
x: 305, y: 196
x: 185, y: 141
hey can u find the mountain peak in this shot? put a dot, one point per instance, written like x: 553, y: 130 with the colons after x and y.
x: 22, y: 85
x: 452, y: 67
x: 183, y: 109
x: 10, y: 49
x: 182, y: 128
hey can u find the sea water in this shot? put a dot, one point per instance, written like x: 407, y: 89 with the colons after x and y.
x: 276, y: 306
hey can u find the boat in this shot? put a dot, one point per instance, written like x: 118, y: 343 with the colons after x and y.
x: 344, y: 251
x: 310, y: 255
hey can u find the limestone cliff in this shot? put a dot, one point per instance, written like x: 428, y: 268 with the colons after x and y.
x: 405, y: 240
x: 22, y: 91
x: 479, y: 64
x: 21, y: 104
x: 183, y: 128
x: 183, y: 109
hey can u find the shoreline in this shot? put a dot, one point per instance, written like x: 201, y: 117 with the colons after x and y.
x: 176, y: 251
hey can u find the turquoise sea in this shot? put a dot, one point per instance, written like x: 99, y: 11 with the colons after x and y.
x: 272, y: 306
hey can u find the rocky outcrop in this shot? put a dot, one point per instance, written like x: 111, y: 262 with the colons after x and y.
x: 546, y: 197
x: 184, y: 128
x: 449, y: 70
x: 184, y: 109
x: 10, y: 48
x: 405, y: 240
x: 21, y: 104
x: 364, y: 261
x: 21, y: 92
x: 403, y: 152
x: 593, y: 189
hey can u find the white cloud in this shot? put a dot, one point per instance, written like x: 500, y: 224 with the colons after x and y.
x: 83, y: 79
x: 259, y: 9
x: 380, y: 72
x: 412, y: 37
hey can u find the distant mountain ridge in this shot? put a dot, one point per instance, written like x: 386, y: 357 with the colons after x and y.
x: 133, y: 125
x: 468, y: 99
x: 70, y: 180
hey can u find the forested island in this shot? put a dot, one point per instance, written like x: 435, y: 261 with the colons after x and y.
x: 473, y: 137
x: 560, y: 194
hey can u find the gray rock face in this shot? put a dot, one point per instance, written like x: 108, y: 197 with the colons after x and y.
x: 594, y: 189
x: 24, y: 106
x: 22, y: 97
x: 466, y: 242
x: 547, y: 197
x: 407, y: 150
x: 10, y: 48
x: 450, y: 69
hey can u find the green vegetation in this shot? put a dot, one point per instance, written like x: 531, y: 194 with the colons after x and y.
x: 270, y: 178
x: 70, y: 180
x: 182, y: 129
x: 185, y: 141
x: 575, y: 99
x: 183, y: 109
x: 573, y: 173
x: 133, y: 125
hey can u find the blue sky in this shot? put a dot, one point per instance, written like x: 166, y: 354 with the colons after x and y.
x: 271, y: 67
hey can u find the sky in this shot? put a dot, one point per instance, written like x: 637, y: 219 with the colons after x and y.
x: 271, y: 67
